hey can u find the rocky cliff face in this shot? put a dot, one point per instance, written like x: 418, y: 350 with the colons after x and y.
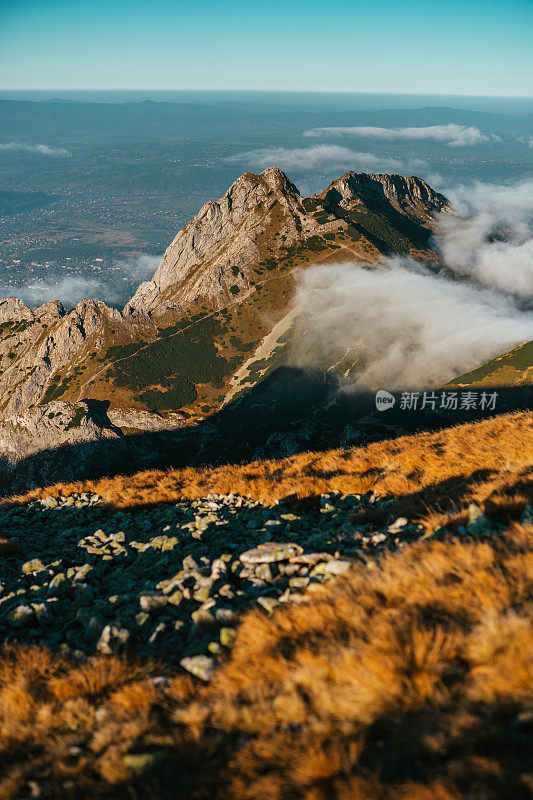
x: 35, y: 345
x: 411, y: 196
x: 64, y: 441
x: 211, y: 256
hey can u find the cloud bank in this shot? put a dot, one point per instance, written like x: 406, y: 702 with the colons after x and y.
x: 114, y: 286
x: 39, y: 149
x: 452, y: 135
x: 69, y: 290
x: 322, y: 156
x: 410, y: 325
x: 490, y: 242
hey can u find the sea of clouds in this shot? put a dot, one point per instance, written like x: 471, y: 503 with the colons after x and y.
x: 418, y: 326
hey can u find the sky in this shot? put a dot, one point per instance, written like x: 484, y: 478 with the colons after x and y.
x: 465, y: 47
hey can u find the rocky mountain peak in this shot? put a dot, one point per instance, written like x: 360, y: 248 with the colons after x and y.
x: 205, y: 258
x: 14, y: 310
x: 408, y: 195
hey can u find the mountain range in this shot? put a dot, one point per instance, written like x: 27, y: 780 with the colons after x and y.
x: 213, y: 325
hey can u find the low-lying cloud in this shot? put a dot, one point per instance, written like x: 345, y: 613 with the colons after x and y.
x: 38, y: 149
x: 322, y: 156
x: 114, y: 285
x: 490, y: 241
x: 452, y: 135
x: 68, y: 289
x: 410, y: 325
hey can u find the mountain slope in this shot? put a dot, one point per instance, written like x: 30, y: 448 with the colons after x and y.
x: 514, y: 368
x: 406, y: 676
x: 223, y: 285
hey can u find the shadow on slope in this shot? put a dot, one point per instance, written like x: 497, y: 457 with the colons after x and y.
x: 291, y: 411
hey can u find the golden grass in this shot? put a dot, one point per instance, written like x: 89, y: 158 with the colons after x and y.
x: 463, y: 463
x: 407, y: 679
x: 410, y: 679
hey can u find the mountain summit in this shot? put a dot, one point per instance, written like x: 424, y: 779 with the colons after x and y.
x: 262, y: 220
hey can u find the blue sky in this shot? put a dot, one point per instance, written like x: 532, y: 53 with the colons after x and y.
x: 472, y: 47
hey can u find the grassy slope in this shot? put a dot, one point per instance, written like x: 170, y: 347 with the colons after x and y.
x: 413, y: 679
x: 509, y: 369
x: 425, y: 470
x: 408, y: 678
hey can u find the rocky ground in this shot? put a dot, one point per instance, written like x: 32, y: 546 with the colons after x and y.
x: 173, y: 580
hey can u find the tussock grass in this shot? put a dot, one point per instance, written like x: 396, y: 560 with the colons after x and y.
x: 410, y: 679
x: 427, y: 472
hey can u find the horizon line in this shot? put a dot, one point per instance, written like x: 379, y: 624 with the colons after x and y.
x: 279, y: 91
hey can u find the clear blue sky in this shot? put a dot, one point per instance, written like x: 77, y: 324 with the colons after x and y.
x: 479, y: 47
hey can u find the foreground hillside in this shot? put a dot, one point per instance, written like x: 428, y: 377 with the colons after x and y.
x: 382, y: 648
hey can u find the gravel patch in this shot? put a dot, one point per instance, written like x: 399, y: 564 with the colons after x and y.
x: 173, y: 581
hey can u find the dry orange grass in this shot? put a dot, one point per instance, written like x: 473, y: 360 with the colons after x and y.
x: 429, y: 470
x: 409, y: 680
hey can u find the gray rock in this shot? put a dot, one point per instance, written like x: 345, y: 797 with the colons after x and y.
x: 33, y: 566
x: 20, y: 616
x: 113, y: 640
x: 337, y: 566
x: 151, y: 603
x: 271, y: 551
x: 200, y: 666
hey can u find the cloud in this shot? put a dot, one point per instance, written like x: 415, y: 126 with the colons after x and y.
x: 322, y: 155
x: 409, y: 325
x: 452, y: 135
x: 490, y: 241
x: 40, y: 149
x: 114, y: 285
x: 69, y: 289
x: 139, y: 266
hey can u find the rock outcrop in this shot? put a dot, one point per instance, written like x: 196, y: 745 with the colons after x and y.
x: 36, y: 344
x: 411, y: 196
x: 214, y: 252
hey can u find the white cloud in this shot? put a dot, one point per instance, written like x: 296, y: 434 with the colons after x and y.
x: 491, y: 240
x: 412, y: 326
x: 69, y: 289
x: 452, y: 135
x: 408, y: 326
x: 114, y: 286
x: 323, y: 155
x: 39, y: 149
x: 139, y: 266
